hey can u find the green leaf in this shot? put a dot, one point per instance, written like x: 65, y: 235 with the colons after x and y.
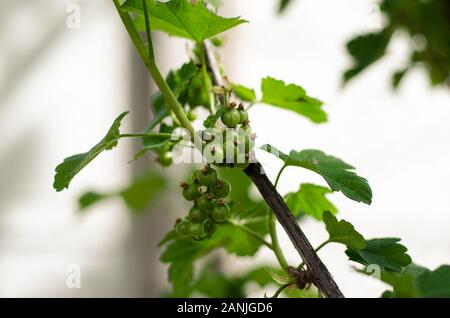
x: 229, y: 236
x: 384, y: 252
x: 237, y: 241
x: 245, y: 204
x: 435, y: 284
x: 211, y: 120
x: 137, y: 195
x: 67, y: 170
x: 398, y: 76
x: 294, y: 292
x: 365, y: 50
x: 244, y: 93
x: 180, y: 275
x: 184, y: 19
x: 213, y: 283
x: 405, y: 283
x: 90, y: 198
x: 283, y: 5
x: 185, y: 250
x: 343, y: 232
x: 170, y: 236
x: 279, y: 276
x: 258, y: 275
x: 310, y: 199
x: 292, y: 97
x: 415, y: 282
x: 338, y: 174
x: 143, y: 190
x: 152, y: 143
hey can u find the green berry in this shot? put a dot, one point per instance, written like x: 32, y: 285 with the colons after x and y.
x: 221, y: 212
x: 191, y: 116
x: 221, y: 189
x: 207, y: 177
x: 196, y: 230
x: 165, y: 159
x: 231, y: 118
x: 196, y: 214
x: 207, y: 224
x: 182, y: 228
x: 217, y: 41
x: 206, y: 203
x: 195, y: 176
x: 244, y: 117
x: 190, y: 191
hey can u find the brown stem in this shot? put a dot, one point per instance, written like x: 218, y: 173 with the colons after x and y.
x: 319, y: 272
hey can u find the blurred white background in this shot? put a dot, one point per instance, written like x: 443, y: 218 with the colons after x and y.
x: 60, y: 89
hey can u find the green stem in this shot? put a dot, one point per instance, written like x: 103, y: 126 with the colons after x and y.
x: 279, y: 175
x: 274, y: 238
x: 253, y: 234
x: 280, y: 290
x: 151, y: 52
x: 150, y: 63
x: 271, y: 224
x: 145, y: 135
x: 207, y: 79
x: 170, y: 98
x: 318, y: 248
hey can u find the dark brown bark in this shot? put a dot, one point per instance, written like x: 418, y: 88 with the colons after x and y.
x: 319, y: 273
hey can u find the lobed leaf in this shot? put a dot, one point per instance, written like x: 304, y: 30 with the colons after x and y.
x: 343, y: 232
x: 338, y: 174
x: 365, y: 50
x: 435, y: 284
x: 182, y: 18
x: 310, y: 199
x: 71, y: 166
x: 244, y: 93
x: 384, y: 252
x: 292, y: 97
x: 137, y: 195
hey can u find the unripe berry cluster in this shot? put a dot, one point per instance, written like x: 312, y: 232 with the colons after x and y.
x: 232, y: 146
x: 208, y: 192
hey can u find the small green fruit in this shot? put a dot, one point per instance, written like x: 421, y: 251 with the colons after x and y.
x: 195, y: 176
x: 190, y: 191
x: 196, y: 230
x: 165, y: 159
x: 231, y: 118
x: 221, y: 212
x: 191, y: 116
x: 206, y: 203
x: 221, y: 189
x: 182, y: 228
x: 196, y: 214
x: 207, y: 177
